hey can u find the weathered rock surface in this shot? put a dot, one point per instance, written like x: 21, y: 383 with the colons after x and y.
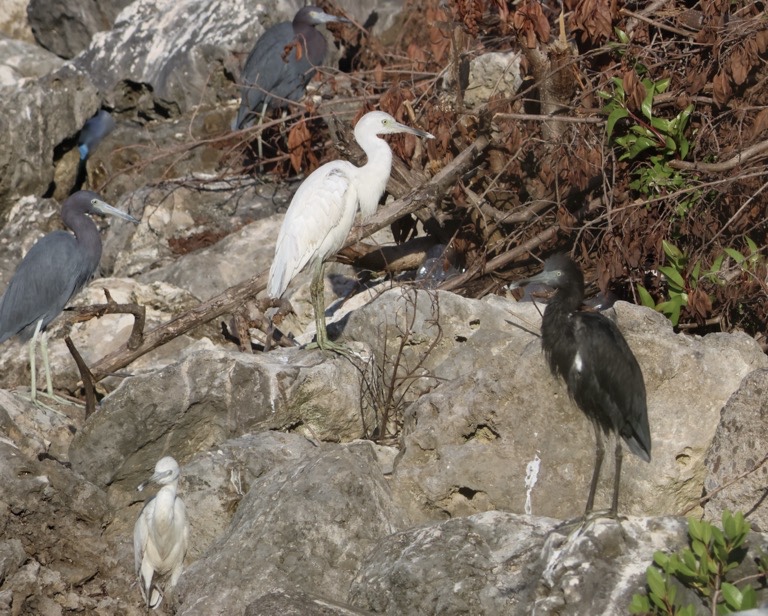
x: 20, y: 60
x: 65, y: 27
x: 211, y: 396
x: 309, y: 526
x: 739, y: 446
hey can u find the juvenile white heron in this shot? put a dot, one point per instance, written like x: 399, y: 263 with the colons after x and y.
x: 52, y: 272
x: 323, y: 209
x: 589, y: 353
x: 160, y: 534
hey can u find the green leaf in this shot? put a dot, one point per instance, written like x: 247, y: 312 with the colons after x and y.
x: 695, y: 526
x: 615, y: 115
x: 662, y: 85
x: 752, y: 246
x: 647, y: 105
x: 671, y: 308
x: 748, y: 598
x: 674, y: 279
x: 735, y: 255
x: 732, y: 595
x: 646, y: 300
x: 622, y: 36
x: 639, y: 604
x: 673, y: 252
x: 655, y: 581
x: 660, y: 124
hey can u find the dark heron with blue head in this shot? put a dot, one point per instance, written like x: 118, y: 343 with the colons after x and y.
x: 281, y: 64
x: 94, y: 130
x: 588, y: 352
x: 54, y: 269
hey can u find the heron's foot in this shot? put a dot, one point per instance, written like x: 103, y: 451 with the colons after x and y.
x: 34, y: 398
x: 334, y: 347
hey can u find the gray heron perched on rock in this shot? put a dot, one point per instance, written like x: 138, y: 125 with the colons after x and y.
x: 51, y: 273
x: 282, y: 63
x: 587, y: 350
x: 322, y: 211
x: 160, y: 534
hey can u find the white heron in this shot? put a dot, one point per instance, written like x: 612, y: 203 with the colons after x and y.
x: 160, y: 534
x: 323, y: 209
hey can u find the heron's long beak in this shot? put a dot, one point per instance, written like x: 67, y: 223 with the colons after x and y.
x: 325, y: 18
x: 108, y: 210
x: 414, y: 131
x: 542, y: 278
x: 156, y: 477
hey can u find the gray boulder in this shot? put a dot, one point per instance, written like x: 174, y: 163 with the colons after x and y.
x: 65, y: 27
x: 735, y: 462
x: 308, y: 526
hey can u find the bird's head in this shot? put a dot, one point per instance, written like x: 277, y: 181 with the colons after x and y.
x: 314, y: 16
x: 559, y: 271
x: 381, y: 123
x: 166, y: 471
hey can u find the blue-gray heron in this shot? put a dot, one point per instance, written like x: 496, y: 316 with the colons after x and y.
x: 160, y: 534
x: 323, y: 209
x: 93, y: 131
x: 589, y: 353
x: 51, y: 273
x: 281, y: 64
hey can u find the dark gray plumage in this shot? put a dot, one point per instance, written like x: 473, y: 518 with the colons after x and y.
x: 589, y: 353
x: 281, y: 64
x: 54, y: 269
x: 94, y: 130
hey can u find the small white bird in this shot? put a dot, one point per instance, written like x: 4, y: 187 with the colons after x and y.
x: 160, y: 534
x: 323, y: 209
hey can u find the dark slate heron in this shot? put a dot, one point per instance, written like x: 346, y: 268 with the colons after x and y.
x: 54, y: 269
x: 281, y: 64
x: 160, y: 535
x: 93, y: 131
x: 323, y: 209
x: 587, y: 350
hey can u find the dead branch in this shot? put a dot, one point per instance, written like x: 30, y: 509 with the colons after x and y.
x: 85, y: 376
x: 738, y: 159
x: 86, y: 313
x: 500, y: 261
x: 231, y: 299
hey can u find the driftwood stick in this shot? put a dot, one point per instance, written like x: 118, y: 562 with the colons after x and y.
x: 85, y: 313
x: 85, y: 376
x: 231, y: 299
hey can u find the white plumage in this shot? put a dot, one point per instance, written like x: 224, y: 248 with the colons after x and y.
x: 323, y: 209
x: 160, y: 534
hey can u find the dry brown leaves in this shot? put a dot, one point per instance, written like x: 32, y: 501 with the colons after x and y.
x: 530, y: 23
x: 593, y: 19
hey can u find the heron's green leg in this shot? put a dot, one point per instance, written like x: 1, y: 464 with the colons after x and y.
x: 46, y: 363
x: 317, y: 293
x: 32, y: 367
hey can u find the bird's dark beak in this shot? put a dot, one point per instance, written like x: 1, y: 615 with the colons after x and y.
x: 542, y: 278
x: 108, y: 210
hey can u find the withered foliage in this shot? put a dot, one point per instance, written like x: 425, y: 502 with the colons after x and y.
x: 550, y: 165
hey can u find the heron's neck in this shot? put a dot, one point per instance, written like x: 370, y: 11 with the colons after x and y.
x: 164, y: 506
x: 87, y: 234
x: 374, y: 175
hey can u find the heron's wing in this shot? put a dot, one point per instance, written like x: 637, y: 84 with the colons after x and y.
x: 316, y: 224
x: 612, y: 384
x: 140, y: 535
x: 270, y: 72
x: 180, y: 514
x: 44, y: 281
